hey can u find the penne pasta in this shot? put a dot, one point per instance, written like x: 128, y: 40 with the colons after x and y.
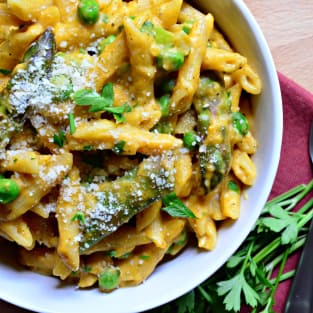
x: 126, y: 134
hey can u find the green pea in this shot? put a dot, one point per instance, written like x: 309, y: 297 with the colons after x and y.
x: 190, y: 140
x: 164, y: 104
x: 240, y: 123
x: 108, y: 280
x: 9, y: 190
x: 170, y: 59
x: 88, y: 11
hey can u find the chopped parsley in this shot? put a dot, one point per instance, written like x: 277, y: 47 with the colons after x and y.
x: 118, y: 112
x: 125, y: 256
x: 111, y: 253
x: 103, y: 102
x: 87, y: 269
x: 79, y: 216
x: 175, y: 207
x: 119, y: 147
x: 232, y: 185
x: 105, y: 42
x: 4, y: 71
x: 89, y: 97
x: 72, y: 123
x: 87, y: 148
x: 59, y: 139
x: 108, y: 94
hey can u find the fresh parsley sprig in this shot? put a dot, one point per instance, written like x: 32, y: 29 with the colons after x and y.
x: 247, y: 277
x: 101, y: 102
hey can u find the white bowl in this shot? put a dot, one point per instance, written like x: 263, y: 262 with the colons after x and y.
x: 174, y: 278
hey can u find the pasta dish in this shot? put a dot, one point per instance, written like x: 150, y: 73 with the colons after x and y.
x: 126, y: 133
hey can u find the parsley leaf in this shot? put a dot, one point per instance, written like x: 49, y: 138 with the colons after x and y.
x: 175, y: 207
x: 186, y: 303
x: 103, y: 102
x: 119, y: 147
x: 59, y: 139
x: 235, y: 260
x: 87, y: 148
x: 90, y: 97
x: 281, y: 220
x: 79, y: 216
x: 233, y: 288
x: 108, y: 94
x: 119, y: 111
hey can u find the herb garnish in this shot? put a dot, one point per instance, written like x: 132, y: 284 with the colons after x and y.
x: 232, y: 185
x: 79, y: 216
x: 175, y: 207
x: 4, y: 71
x: 59, y: 139
x: 72, y: 123
x: 103, y: 102
x: 119, y: 147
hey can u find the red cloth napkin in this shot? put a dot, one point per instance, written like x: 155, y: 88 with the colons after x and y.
x: 294, y: 166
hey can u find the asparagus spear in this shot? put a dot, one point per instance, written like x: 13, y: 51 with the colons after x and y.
x: 211, y: 103
x: 117, y: 201
x: 14, y: 100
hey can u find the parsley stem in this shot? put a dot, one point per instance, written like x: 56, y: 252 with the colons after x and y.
x: 267, y: 250
x: 288, y: 198
x: 270, y: 302
x: 294, y: 201
x: 307, y: 206
x: 247, y: 257
x: 286, y: 195
x: 204, y: 294
x: 307, y: 217
x: 294, y: 247
x: 284, y: 276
